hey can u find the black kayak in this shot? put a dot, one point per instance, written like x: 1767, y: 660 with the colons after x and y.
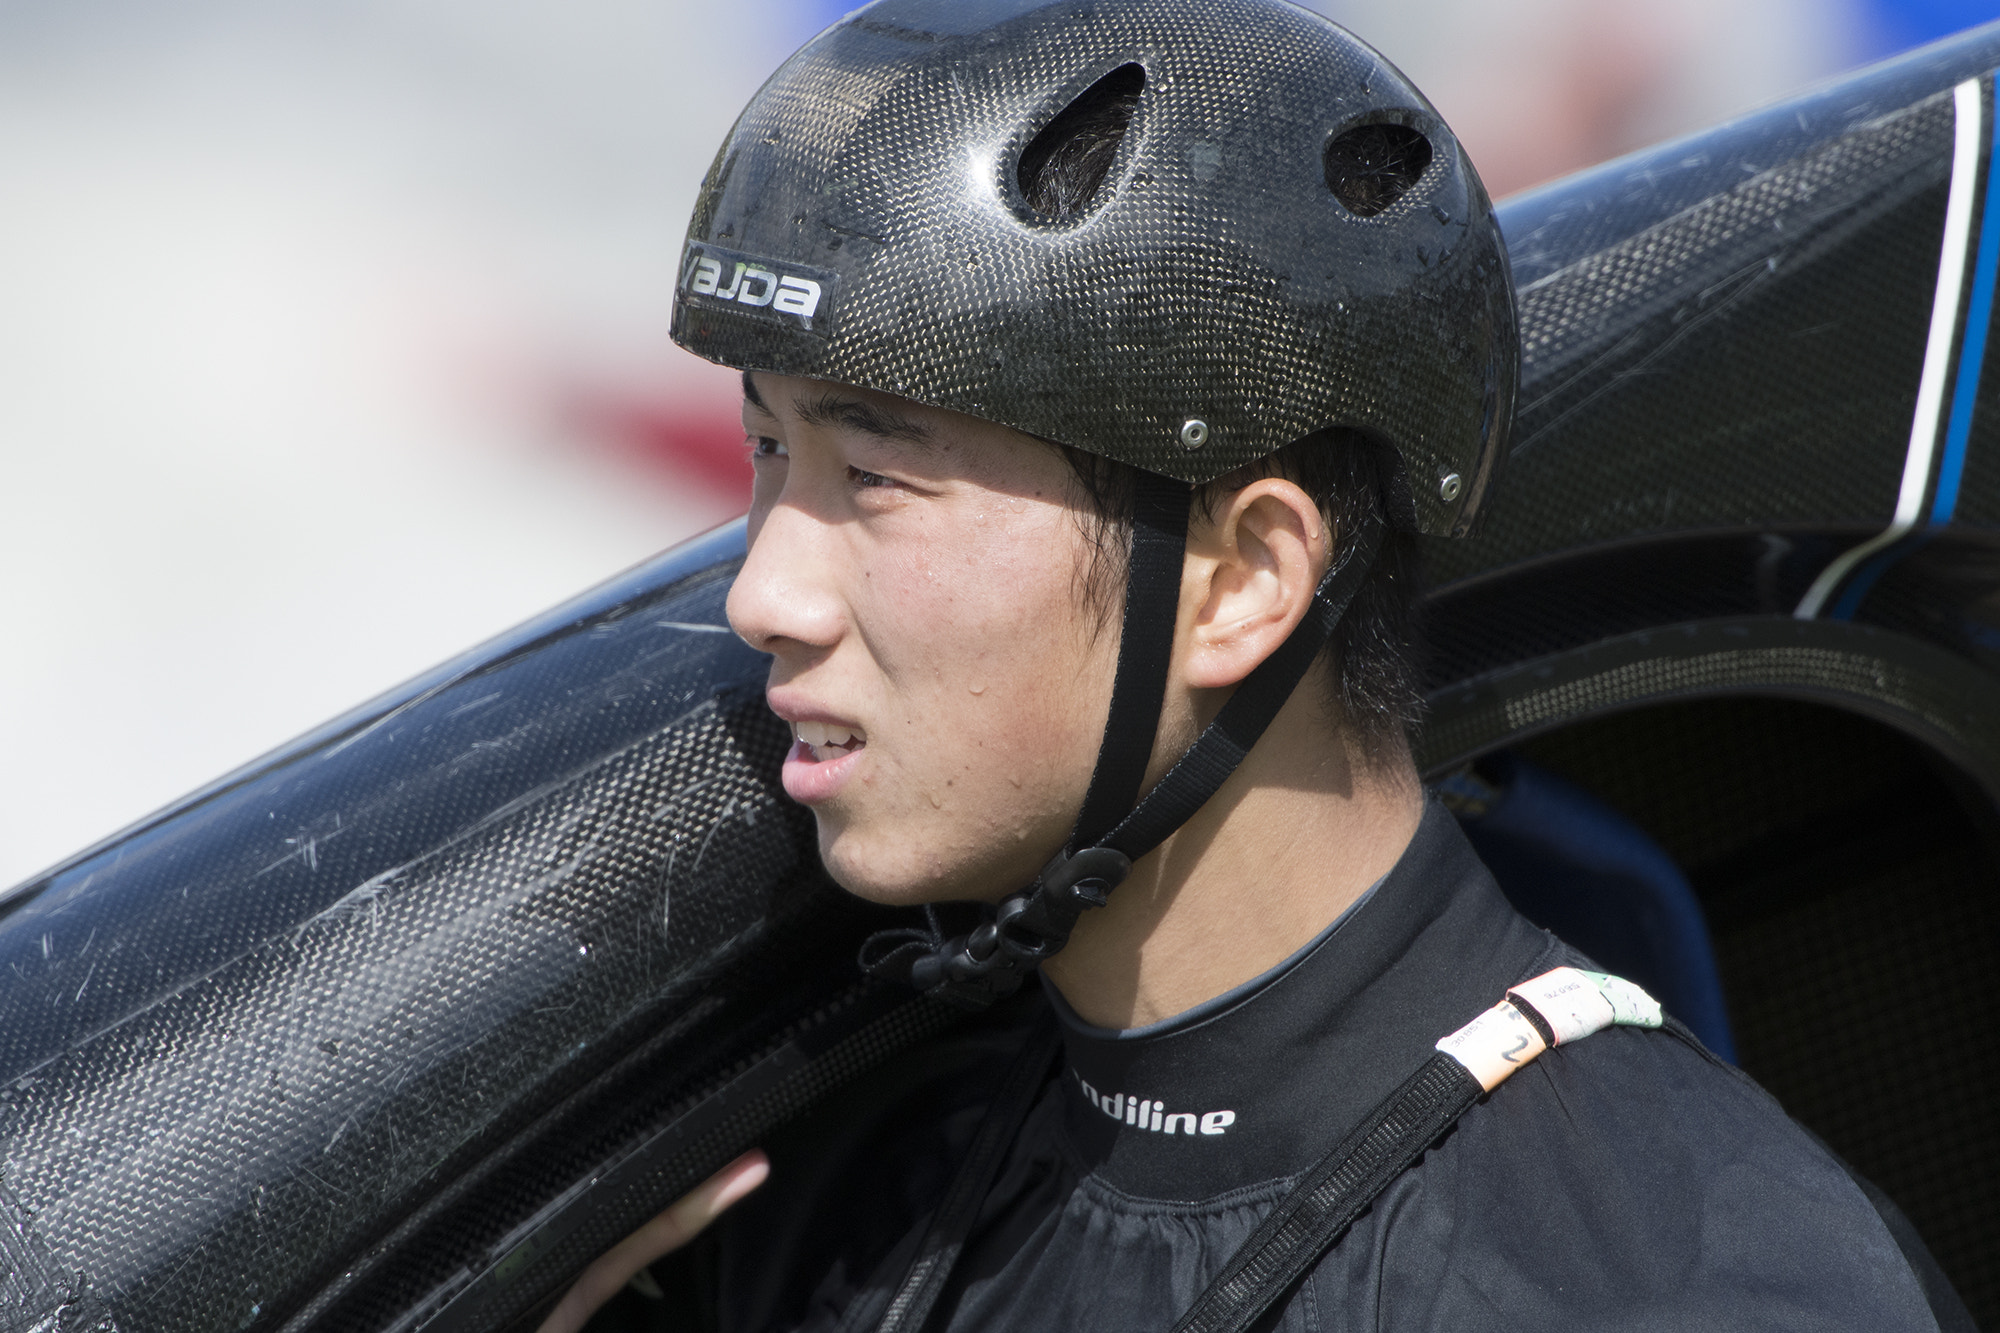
x: 397, y: 1027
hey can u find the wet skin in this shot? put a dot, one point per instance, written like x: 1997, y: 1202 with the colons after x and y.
x: 914, y: 575
x: 917, y: 577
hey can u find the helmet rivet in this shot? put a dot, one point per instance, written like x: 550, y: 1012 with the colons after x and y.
x: 1449, y: 486
x: 1194, y: 433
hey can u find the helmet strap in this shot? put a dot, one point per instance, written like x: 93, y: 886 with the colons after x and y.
x: 976, y: 969
x: 1200, y: 772
x: 1145, y: 650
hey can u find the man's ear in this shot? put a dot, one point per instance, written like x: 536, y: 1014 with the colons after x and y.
x: 1250, y: 575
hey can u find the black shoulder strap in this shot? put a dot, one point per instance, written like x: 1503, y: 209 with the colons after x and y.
x: 1307, y: 1222
x: 1560, y: 1006
x: 1320, y: 1208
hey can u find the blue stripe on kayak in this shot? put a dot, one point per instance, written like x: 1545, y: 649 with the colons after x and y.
x: 1964, y: 396
x: 1972, y: 357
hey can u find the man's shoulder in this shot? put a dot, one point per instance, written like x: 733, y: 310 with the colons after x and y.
x: 1633, y: 1171
x: 1637, y: 1101
x: 1627, y: 1097
x: 1629, y: 1179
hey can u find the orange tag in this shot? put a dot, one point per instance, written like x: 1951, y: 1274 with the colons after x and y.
x: 1494, y: 1045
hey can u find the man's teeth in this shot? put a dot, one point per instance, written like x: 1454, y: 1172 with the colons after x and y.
x: 821, y: 737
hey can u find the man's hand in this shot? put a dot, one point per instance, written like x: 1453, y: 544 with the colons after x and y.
x: 663, y: 1235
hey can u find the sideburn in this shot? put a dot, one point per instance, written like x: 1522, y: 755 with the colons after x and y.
x: 1101, y: 498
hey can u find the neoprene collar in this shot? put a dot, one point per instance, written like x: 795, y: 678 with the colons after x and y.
x: 1258, y: 1083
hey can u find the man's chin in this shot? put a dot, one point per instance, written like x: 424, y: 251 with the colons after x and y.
x: 894, y: 895
x: 888, y: 890
x: 887, y: 881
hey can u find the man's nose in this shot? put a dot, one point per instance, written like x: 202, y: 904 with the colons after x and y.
x: 782, y: 601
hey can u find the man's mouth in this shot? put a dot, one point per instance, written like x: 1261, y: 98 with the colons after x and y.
x: 825, y: 740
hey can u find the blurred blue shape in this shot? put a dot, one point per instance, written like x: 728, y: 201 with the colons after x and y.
x: 1901, y: 24
x: 1572, y: 865
x: 811, y: 17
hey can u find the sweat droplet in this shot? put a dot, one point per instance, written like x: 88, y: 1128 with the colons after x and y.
x: 977, y: 689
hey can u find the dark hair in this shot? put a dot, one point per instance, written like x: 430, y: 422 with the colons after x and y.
x: 1063, y: 166
x: 1373, y: 668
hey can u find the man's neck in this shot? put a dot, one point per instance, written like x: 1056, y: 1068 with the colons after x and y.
x: 1295, y: 836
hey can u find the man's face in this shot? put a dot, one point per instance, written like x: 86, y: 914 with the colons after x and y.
x: 916, y: 576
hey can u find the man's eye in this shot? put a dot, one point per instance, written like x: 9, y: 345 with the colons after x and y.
x: 763, y: 446
x: 861, y: 478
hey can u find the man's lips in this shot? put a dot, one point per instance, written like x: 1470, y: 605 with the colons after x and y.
x: 823, y: 756
x: 809, y: 779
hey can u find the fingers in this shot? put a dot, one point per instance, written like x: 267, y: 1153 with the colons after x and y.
x: 661, y: 1236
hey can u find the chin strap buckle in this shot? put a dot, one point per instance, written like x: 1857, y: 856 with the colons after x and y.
x: 991, y: 961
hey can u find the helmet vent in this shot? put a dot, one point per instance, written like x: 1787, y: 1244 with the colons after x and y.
x: 1063, y: 168
x: 1370, y: 167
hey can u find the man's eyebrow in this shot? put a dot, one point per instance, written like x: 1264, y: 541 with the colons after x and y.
x: 751, y: 396
x: 831, y: 410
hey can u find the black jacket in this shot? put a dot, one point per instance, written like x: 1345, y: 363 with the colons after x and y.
x: 1628, y: 1181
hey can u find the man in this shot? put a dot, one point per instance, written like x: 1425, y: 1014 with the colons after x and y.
x: 1103, y: 360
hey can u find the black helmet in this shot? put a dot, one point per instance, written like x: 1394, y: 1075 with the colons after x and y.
x: 1286, y: 240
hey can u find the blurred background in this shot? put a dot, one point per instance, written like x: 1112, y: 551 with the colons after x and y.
x: 333, y: 333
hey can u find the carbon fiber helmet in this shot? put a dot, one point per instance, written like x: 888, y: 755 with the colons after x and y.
x: 1250, y: 264
x: 1286, y: 240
